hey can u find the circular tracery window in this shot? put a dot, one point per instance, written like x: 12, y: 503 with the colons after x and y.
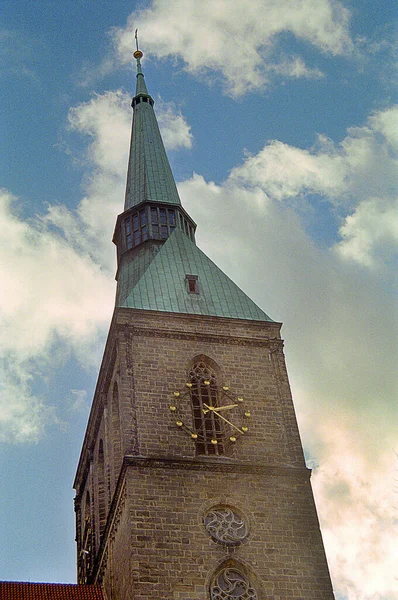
x: 232, y: 583
x: 226, y: 525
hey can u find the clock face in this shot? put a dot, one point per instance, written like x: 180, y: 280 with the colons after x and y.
x: 212, y: 416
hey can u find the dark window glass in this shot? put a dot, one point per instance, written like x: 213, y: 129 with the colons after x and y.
x: 163, y: 232
x: 129, y: 241
x: 142, y: 217
x: 162, y: 213
x: 154, y: 215
x: 208, y: 425
x: 144, y: 233
x: 137, y: 237
x: 192, y: 284
x: 172, y: 217
x: 135, y: 222
x: 155, y: 231
x: 127, y: 225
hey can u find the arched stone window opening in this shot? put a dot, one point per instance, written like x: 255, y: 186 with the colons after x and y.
x: 116, y: 433
x: 86, y: 552
x: 101, y: 488
x: 204, y: 396
x: 231, y: 581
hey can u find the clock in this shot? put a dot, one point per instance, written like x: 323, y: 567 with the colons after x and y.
x: 211, y: 415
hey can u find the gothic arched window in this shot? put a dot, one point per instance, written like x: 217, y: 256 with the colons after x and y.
x: 116, y: 433
x: 101, y: 488
x: 86, y: 544
x: 231, y: 581
x: 204, y: 394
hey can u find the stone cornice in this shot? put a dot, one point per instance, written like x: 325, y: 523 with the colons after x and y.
x: 208, y: 338
x: 224, y: 465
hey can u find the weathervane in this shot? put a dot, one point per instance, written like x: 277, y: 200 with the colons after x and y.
x: 137, y: 54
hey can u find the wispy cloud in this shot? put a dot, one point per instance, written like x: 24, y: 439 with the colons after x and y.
x: 239, y: 40
x: 18, y: 54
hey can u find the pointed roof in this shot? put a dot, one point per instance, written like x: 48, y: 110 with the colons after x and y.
x: 149, y: 176
x: 158, y: 260
x: 157, y: 281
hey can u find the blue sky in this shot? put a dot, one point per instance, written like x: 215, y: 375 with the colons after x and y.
x: 281, y: 124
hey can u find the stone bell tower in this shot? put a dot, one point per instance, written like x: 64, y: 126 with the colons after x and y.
x: 191, y: 483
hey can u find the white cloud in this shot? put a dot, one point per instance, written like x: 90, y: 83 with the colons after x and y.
x: 50, y: 293
x: 341, y: 350
x: 176, y: 132
x: 341, y: 323
x: 359, y: 176
x: 23, y: 416
x: 295, y: 67
x: 56, y: 270
x: 370, y: 234
x: 357, y: 499
x: 236, y: 38
x: 48, y: 286
x: 339, y: 318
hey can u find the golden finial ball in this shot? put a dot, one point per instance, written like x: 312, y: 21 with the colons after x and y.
x: 138, y: 54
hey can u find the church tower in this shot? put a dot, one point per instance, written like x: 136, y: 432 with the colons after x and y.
x: 191, y: 484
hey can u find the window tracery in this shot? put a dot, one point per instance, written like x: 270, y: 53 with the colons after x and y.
x: 226, y: 525
x: 231, y: 582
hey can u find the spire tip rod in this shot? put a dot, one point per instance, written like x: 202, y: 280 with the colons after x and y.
x: 137, y: 54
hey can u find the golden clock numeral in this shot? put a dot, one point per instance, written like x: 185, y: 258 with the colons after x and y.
x: 206, y: 382
x: 176, y: 394
x: 173, y: 408
x: 189, y: 384
x: 232, y: 438
x: 244, y: 428
x: 214, y: 442
x: 247, y: 413
x: 225, y: 388
x: 240, y: 399
x: 179, y: 423
x: 194, y: 436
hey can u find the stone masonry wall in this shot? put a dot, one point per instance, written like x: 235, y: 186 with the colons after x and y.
x: 168, y: 553
x: 156, y: 546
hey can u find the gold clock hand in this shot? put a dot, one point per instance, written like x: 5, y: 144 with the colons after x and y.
x: 217, y: 408
x: 229, y: 423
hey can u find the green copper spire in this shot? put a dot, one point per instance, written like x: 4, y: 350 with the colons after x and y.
x: 149, y: 177
x: 160, y: 267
